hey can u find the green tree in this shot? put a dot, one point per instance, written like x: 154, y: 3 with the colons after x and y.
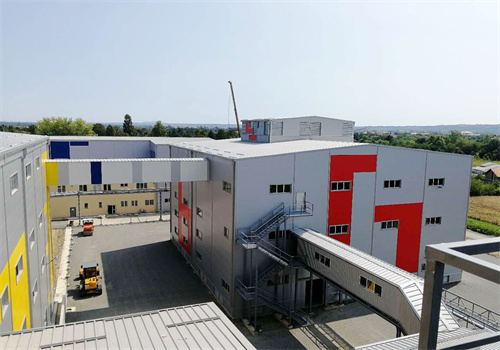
x: 128, y: 127
x: 99, y: 129
x: 110, y: 131
x: 158, y: 129
x: 63, y: 126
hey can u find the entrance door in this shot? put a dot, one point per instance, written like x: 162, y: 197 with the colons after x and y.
x: 111, y: 209
x: 317, y: 292
x: 300, y: 200
x: 72, y: 212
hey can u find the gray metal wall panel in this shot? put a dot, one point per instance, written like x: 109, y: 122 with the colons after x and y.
x: 137, y: 172
x: 79, y: 173
x: 384, y: 243
x: 14, y: 204
x: 162, y: 151
x: 102, y: 149
x: 406, y: 165
x: 63, y: 173
x: 115, y: 172
x: 79, y: 152
x: 363, y: 208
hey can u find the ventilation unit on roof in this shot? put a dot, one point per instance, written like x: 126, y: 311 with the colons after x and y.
x: 310, y: 129
x: 347, y: 128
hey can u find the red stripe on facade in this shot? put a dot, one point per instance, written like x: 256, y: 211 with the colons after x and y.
x: 252, y: 137
x: 342, y: 168
x: 248, y: 129
x: 184, y: 212
x: 410, y: 227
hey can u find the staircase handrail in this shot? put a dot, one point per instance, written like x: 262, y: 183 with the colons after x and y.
x: 305, y: 207
x: 270, y: 215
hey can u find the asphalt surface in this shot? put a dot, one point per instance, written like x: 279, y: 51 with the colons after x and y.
x: 141, y: 270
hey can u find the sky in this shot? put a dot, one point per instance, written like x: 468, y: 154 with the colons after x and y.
x: 377, y: 63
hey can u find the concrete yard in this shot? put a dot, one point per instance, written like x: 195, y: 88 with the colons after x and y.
x: 142, y: 271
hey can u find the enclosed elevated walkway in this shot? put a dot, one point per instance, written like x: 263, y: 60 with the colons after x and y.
x: 393, y: 293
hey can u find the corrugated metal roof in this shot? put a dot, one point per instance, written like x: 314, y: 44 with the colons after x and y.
x: 126, y: 160
x: 299, y: 117
x: 237, y: 149
x: 155, y: 140
x: 410, y: 285
x: 445, y: 339
x: 11, y: 141
x: 201, y: 326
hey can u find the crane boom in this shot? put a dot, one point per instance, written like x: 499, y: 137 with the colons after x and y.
x: 235, y: 110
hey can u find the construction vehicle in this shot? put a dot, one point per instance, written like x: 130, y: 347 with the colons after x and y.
x: 89, y: 279
x: 88, y: 227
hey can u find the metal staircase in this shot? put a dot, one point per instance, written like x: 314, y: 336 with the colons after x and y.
x: 471, y: 313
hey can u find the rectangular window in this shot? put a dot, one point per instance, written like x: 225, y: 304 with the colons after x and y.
x: 5, y: 301
x: 322, y: 259
x: 31, y: 238
x: 437, y: 182
x: 107, y: 187
x: 37, y: 163
x: 141, y: 185
x: 362, y: 281
x: 198, y: 255
x: 199, y: 212
x: 124, y: 203
x: 226, y: 186
x: 378, y: 290
x: 28, y: 171
x: 82, y: 188
x: 226, y: 232
x: 185, y: 221
x: 392, y: 184
x: 43, y: 263
x: 370, y: 286
x: 134, y: 203
x: 61, y: 188
x: 176, y: 212
x: 185, y: 202
x: 85, y: 205
x: 167, y: 200
x: 199, y: 234
x: 175, y: 194
x: 422, y: 267
x: 176, y: 230
x: 185, y: 240
x: 385, y: 225
x: 149, y: 202
x: 225, y: 285
x: 123, y: 185
x: 433, y: 221
x: 40, y: 220
x: 338, y: 229
x: 100, y: 204
x: 34, y: 292
x: 340, y: 186
x: 281, y: 188
x: 96, y: 187
x: 19, y: 269
x: 14, y: 184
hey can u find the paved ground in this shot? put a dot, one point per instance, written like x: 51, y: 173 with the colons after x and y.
x: 142, y: 271
x: 105, y: 220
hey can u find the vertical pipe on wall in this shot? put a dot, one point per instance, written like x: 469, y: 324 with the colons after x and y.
x: 310, y: 291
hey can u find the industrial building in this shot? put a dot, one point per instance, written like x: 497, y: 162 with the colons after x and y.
x: 294, y: 213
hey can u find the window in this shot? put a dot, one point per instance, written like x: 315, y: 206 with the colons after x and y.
x: 34, y: 292
x: 82, y: 188
x: 134, y: 203
x: 176, y: 230
x: 198, y: 255
x: 226, y: 186
x: 167, y: 200
x: 285, y: 188
x: 370, y: 286
x: 43, y: 263
x: 185, y: 240
x: 433, y: 221
x: 123, y: 185
x: 338, y: 229
x: 340, y: 186
x: 437, y: 182
x: 96, y: 187
x: 40, y: 219
x: 176, y: 212
x: 5, y: 301
x: 14, y: 184
x: 107, y: 187
x: 61, y: 188
x: 225, y: 285
x: 37, y: 163
x: 422, y: 267
x: 185, y: 221
x: 149, y: 202
x: 28, y: 171
x: 226, y: 232
x: 175, y: 194
x: 19, y: 269
x: 386, y: 225
x: 124, y: 203
x: 322, y: 259
x: 199, y: 234
x: 199, y: 212
x: 141, y: 185
x: 31, y: 238
x: 100, y: 204
x: 185, y: 202
x: 392, y: 184
x: 85, y: 205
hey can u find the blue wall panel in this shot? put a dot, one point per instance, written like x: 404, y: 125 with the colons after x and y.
x: 79, y: 143
x: 59, y: 150
x: 96, y: 173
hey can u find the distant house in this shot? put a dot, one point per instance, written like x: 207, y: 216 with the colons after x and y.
x: 483, y: 168
x: 493, y: 174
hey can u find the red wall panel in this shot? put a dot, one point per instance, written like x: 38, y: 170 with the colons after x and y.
x: 342, y: 168
x: 410, y: 224
x: 184, y: 212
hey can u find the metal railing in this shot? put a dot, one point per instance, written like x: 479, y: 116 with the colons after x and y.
x: 279, y: 209
x: 470, y: 312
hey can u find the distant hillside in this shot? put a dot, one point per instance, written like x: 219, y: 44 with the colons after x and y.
x: 433, y: 129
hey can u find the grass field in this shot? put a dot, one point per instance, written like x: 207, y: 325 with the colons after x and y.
x: 479, y: 161
x: 485, y: 208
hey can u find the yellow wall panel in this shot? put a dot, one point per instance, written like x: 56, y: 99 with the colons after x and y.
x: 20, y: 294
x: 51, y: 174
x: 4, y: 282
